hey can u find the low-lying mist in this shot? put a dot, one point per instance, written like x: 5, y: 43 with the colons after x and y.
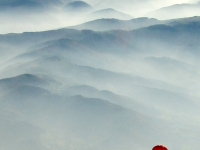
x: 107, y: 84
x: 81, y: 89
x: 41, y: 15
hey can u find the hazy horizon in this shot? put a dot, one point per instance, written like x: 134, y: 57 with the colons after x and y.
x: 18, y: 19
x: 99, y: 75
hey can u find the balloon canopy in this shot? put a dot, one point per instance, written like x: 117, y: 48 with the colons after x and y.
x: 159, y: 147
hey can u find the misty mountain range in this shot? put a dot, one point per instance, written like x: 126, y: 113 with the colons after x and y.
x: 78, y: 7
x: 27, y: 3
x: 176, y: 11
x: 84, y: 75
x: 55, y: 14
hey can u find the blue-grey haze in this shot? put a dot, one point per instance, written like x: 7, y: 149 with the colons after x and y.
x: 109, y: 80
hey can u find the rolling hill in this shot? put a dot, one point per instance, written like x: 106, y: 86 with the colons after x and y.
x: 78, y: 8
x: 115, y: 24
x: 176, y: 11
x: 115, y: 89
x: 88, y: 119
x: 108, y: 13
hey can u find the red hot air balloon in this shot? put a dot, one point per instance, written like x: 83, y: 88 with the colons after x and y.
x: 159, y: 147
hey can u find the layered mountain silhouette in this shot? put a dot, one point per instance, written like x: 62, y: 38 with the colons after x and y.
x: 88, y: 119
x: 20, y: 4
x: 78, y: 8
x: 176, y: 11
x: 106, y: 84
x: 115, y: 24
x: 108, y: 13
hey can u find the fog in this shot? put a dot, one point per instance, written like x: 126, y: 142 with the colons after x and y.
x: 111, y: 83
x: 17, y: 16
